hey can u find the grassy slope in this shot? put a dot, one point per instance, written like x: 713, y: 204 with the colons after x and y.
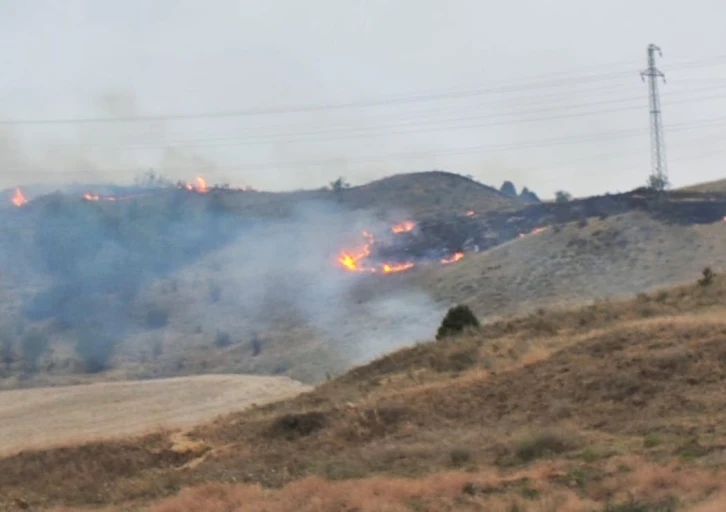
x: 564, y: 408
x: 711, y: 186
x: 291, y: 349
x: 426, y: 194
x: 609, y: 258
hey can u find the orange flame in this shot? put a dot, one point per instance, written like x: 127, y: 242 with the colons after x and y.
x: 453, y: 258
x: 470, y: 213
x: 351, y: 261
x: 97, y: 197
x: 18, y: 198
x: 404, y: 227
x: 201, y: 186
x: 534, y: 231
x: 389, y: 268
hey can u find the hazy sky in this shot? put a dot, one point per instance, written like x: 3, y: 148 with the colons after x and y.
x: 547, y: 94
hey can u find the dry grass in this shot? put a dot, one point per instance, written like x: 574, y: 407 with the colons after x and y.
x: 38, y: 418
x: 543, y: 487
x: 588, y: 405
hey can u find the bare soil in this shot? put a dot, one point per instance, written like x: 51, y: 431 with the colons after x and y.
x: 42, y: 417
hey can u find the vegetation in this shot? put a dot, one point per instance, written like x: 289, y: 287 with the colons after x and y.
x: 537, y: 417
x: 562, y: 196
x: 33, y: 345
x: 707, y: 277
x: 222, y: 339
x: 457, y: 319
x: 95, y: 349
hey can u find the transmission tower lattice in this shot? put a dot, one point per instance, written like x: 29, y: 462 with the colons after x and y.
x: 659, y: 173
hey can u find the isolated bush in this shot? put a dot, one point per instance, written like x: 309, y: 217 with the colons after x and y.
x: 7, y: 351
x: 222, y: 339
x: 456, y: 320
x: 459, y: 457
x: 32, y: 346
x: 95, y: 350
x: 562, y: 197
x: 256, y: 345
x: 708, y: 276
x: 156, y: 317
x: 541, y: 445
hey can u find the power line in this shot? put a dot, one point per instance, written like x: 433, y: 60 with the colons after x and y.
x: 411, y: 155
x: 406, y: 128
x: 343, y: 105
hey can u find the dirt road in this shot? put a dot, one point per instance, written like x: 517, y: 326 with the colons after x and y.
x: 55, y: 416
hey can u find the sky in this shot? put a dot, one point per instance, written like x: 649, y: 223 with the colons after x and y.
x: 283, y: 94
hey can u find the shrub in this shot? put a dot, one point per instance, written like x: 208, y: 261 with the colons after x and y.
x: 708, y: 276
x: 456, y: 320
x: 7, y: 351
x: 95, y: 350
x: 157, y: 317
x: 256, y: 345
x: 541, y: 445
x: 459, y: 457
x: 222, y: 339
x: 562, y: 197
x: 33, y: 345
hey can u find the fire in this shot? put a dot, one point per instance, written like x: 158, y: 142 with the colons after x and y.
x: 404, y: 227
x: 534, y: 231
x: 396, y: 267
x: 18, y: 198
x: 453, y: 258
x: 354, y: 261
x: 200, y: 187
x: 97, y: 197
x: 470, y: 213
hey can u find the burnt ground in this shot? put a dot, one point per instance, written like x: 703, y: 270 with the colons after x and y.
x: 440, y: 236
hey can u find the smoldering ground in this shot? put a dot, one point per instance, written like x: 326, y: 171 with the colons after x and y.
x: 99, y: 259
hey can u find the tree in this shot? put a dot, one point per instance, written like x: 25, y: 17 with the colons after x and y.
x: 152, y: 179
x: 339, y: 185
x: 562, y: 197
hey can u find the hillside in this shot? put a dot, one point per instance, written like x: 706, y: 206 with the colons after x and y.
x: 711, y: 187
x: 179, y: 283
x: 617, y: 404
x: 427, y: 194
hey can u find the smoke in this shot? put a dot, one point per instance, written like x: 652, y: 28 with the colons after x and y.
x: 287, y: 269
x: 101, y: 259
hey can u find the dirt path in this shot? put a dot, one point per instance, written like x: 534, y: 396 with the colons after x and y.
x: 54, y: 416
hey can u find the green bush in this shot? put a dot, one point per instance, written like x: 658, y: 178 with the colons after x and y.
x: 457, y: 319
